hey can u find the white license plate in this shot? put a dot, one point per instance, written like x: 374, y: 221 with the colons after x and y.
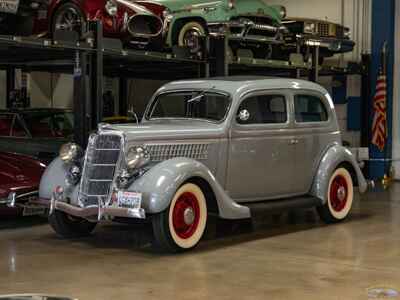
x: 33, y: 211
x: 129, y: 200
x: 9, y: 6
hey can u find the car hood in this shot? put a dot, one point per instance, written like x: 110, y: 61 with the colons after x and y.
x: 164, y: 130
x: 242, y: 7
x: 19, y: 173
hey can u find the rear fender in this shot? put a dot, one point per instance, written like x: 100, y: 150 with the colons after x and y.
x: 334, y: 157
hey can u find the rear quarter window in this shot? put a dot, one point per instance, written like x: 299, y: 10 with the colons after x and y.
x: 310, y: 109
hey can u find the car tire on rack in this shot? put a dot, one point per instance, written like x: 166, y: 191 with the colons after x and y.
x: 67, y: 226
x: 340, y: 196
x: 190, y: 35
x: 181, y: 226
x: 68, y: 17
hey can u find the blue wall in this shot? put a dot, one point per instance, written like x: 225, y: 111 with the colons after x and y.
x: 383, y: 29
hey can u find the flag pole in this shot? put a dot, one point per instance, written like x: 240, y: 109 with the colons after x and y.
x: 386, y: 165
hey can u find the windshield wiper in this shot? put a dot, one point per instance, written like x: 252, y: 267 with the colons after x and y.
x: 200, y: 96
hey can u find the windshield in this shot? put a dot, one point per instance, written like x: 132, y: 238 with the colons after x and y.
x: 50, y: 124
x: 190, y: 105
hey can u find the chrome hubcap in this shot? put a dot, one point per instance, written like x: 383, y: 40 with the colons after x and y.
x: 188, y: 216
x: 341, y: 193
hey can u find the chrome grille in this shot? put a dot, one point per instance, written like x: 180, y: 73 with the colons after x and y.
x: 164, y: 152
x: 99, y: 168
x: 323, y: 29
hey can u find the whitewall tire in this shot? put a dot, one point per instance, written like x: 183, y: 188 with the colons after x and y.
x: 182, y: 225
x: 340, y: 195
x: 190, y: 36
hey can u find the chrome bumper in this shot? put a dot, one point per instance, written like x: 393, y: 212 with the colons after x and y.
x: 100, y: 212
x: 13, y: 198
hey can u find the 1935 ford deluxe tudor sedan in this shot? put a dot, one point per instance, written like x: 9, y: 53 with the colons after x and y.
x: 225, y: 147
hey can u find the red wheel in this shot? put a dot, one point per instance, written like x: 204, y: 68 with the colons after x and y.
x: 182, y: 226
x: 186, y: 215
x: 340, y: 197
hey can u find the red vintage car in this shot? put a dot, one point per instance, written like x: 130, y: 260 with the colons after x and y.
x: 19, y: 184
x: 134, y: 22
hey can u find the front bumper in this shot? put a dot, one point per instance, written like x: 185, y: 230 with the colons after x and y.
x: 332, y: 44
x: 100, y: 212
x: 245, y: 32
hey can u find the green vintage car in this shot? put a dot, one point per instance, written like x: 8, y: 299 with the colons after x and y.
x: 250, y: 24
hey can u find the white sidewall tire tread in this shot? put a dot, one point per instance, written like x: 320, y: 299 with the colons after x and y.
x: 195, y: 238
x: 350, y: 195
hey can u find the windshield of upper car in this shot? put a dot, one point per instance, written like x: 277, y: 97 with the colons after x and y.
x: 211, y: 106
x: 49, y: 124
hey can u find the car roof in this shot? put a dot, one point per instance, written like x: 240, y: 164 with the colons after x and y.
x: 242, y: 84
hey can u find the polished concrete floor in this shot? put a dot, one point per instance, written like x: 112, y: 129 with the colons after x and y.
x: 292, y: 257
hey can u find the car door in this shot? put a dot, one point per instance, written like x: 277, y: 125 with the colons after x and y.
x: 261, y: 153
x: 312, y: 125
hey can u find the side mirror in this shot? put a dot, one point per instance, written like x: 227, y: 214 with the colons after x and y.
x: 243, y: 116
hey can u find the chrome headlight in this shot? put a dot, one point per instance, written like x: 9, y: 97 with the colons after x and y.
x: 282, y: 11
x: 111, y: 8
x: 309, y: 27
x: 70, y: 152
x: 137, y: 157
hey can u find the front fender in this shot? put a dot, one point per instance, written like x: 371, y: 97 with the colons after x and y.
x: 332, y: 158
x: 159, y: 184
x: 54, y: 175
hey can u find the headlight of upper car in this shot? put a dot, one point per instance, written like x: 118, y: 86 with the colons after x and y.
x: 347, y: 33
x: 70, y: 152
x: 282, y: 11
x: 309, y: 27
x: 111, y: 8
x: 137, y: 157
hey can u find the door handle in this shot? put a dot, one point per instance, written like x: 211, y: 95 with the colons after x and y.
x: 294, y: 142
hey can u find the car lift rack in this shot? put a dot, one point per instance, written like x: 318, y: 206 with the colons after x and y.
x: 98, y: 56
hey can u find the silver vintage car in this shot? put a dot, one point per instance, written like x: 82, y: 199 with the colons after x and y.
x: 228, y: 147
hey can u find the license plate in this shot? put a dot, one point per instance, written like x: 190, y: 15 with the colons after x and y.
x: 33, y: 211
x: 129, y: 200
x: 9, y: 6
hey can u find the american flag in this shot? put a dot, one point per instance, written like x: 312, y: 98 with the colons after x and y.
x: 379, y: 126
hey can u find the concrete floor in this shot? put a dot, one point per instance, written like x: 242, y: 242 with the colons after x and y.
x: 295, y: 257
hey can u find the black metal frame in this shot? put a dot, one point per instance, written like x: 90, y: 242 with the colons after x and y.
x: 89, y: 61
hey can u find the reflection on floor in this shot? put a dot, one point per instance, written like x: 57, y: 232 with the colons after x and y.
x: 292, y: 256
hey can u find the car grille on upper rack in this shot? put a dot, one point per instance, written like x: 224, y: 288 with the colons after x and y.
x: 330, y: 30
x: 99, y: 168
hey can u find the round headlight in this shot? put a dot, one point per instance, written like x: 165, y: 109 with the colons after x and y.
x: 309, y: 27
x: 137, y: 157
x: 282, y: 12
x: 70, y: 152
x: 111, y: 8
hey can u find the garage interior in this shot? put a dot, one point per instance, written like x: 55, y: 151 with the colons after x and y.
x: 285, y: 255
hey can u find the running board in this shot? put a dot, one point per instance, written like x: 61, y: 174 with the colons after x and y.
x: 278, y: 206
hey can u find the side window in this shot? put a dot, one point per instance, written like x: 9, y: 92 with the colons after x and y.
x: 263, y: 109
x: 309, y: 109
